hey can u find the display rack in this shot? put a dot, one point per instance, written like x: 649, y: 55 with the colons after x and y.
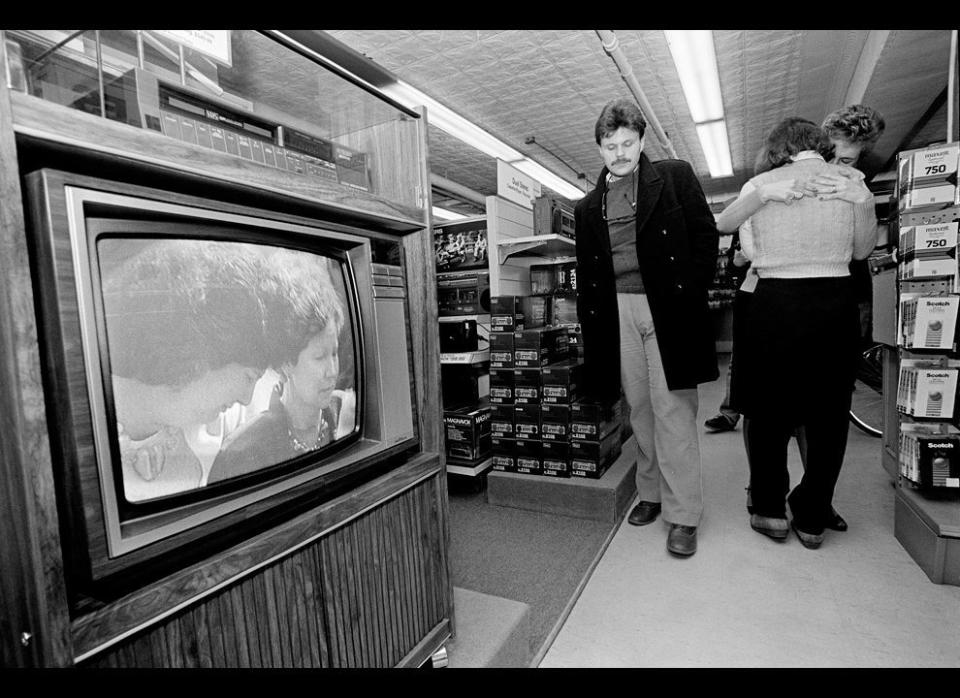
x: 556, y: 248
x: 927, y: 505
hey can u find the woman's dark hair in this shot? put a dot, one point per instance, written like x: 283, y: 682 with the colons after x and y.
x: 619, y: 113
x: 179, y: 308
x: 299, y: 301
x: 855, y: 123
x: 791, y: 136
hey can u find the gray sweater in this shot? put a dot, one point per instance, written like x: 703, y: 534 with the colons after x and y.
x: 809, y: 237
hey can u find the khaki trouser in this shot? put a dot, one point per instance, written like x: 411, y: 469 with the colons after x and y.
x: 664, y: 421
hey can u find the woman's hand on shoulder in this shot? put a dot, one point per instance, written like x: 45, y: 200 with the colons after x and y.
x: 844, y: 183
x: 785, y: 191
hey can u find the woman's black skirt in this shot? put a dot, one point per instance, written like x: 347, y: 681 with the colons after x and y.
x: 796, y: 344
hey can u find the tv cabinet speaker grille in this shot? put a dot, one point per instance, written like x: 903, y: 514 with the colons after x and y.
x: 364, y: 595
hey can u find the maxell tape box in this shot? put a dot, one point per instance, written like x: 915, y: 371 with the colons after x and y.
x: 560, y: 382
x: 528, y: 456
x: 501, y: 386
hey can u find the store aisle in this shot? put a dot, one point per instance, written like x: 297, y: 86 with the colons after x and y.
x: 747, y: 601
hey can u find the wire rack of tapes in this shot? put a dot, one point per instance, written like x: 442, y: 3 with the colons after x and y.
x: 928, y: 216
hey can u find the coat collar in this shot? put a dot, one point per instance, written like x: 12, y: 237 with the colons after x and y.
x: 649, y: 190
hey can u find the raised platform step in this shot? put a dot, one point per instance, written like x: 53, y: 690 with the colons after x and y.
x: 492, y: 632
x: 928, y: 527
x: 604, y: 499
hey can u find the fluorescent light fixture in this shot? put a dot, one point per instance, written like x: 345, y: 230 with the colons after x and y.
x: 547, y: 178
x: 716, y: 148
x: 696, y: 60
x: 446, y: 215
x: 452, y: 123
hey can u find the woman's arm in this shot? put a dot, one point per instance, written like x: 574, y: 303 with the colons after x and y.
x: 753, y: 198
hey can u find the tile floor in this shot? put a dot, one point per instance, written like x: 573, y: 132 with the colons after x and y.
x: 747, y: 601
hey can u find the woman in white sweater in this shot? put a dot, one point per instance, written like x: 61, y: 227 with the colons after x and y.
x: 797, y: 362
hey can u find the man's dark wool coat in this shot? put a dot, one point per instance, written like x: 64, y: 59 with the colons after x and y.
x: 677, y: 243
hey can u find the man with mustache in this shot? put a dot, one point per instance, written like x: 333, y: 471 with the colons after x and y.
x: 646, y: 254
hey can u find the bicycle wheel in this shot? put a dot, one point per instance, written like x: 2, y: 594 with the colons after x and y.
x: 866, y: 407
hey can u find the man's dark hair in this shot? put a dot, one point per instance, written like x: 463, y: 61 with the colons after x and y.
x: 619, y: 113
x: 180, y: 308
x: 789, y: 137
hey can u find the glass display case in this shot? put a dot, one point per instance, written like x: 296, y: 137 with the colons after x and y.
x: 284, y: 120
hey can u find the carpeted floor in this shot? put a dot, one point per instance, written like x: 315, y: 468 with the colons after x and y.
x: 538, y: 559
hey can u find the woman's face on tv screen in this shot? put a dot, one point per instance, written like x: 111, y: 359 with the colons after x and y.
x: 314, y: 376
x: 202, y: 400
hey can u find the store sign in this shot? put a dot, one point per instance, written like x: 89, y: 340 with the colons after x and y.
x: 213, y: 43
x: 514, y: 185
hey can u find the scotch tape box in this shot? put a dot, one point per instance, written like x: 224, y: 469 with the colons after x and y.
x: 926, y: 392
x: 929, y: 322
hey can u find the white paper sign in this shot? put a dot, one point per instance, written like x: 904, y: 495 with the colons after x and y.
x: 214, y: 43
x: 514, y: 185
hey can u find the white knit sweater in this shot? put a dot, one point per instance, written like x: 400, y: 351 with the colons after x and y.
x: 809, y: 237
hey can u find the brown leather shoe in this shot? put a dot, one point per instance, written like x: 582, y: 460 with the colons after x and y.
x: 644, y: 513
x: 682, y: 540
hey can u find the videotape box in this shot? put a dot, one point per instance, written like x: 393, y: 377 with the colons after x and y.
x: 554, y: 422
x: 468, y: 432
x: 508, y: 313
x: 503, y: 454
x: 526, y: 421
x: 501, y: 386
x: 463, y: 293
x: 592, y: 421
x: 528, y: 456
x: 501, y: 349
x: 561, y: 381
x: 591, y: 459
x: 934, y: 240
x: 502, y: 421
x: 535, y: 348
x: 555, y: 456
x: 526, y: 386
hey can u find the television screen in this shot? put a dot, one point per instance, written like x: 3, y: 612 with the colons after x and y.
x: 224, y: 359
x: 211, y: 369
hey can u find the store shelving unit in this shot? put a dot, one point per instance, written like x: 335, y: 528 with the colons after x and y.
x: 926, y: 517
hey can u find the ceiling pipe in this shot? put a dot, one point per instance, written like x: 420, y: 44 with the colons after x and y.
x: 611, y: 44
x: 459, y: 190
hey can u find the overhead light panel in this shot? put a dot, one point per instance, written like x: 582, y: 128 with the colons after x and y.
x: 716, y: 148
x: 696, y: 60
x: 455, y: 125
x: 446, y: 215
x: 695, y: 57
x: 451, y: 122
